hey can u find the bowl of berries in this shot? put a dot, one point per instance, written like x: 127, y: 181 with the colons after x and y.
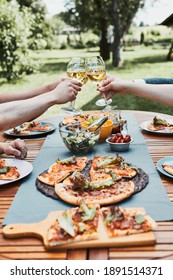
x: 119, y: 142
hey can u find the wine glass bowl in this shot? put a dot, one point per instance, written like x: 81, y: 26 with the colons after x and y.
x: 96, y: 72
x: 76, y: 70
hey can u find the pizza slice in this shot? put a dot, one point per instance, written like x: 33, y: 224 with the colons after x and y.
x: 75, y: 225
x: 62, y: 169
x: 75, y: 118
x: 168, y: 168
x: 157, y: 124
x: 116, y: 166
x: 8, y: 172
x: 124, y: 221
x: 39, y: 127
x: 77, y: 188
x: 70, y: 164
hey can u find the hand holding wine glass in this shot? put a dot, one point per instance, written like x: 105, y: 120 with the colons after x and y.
x: 76, y: 70
x: 96, y: 72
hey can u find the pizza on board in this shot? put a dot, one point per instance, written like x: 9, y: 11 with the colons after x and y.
x: 85, y: 222
x: 126, y: 221
x: 8, y: 172
x: 74, y: 225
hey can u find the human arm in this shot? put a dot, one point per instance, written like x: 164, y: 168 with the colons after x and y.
x: 16, y: 112
x: 162, y: 93
x: 16, y: 148
x: 12, y: 96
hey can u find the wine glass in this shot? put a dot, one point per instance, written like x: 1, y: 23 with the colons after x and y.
x: 96, y: 72
x: 76, y: 70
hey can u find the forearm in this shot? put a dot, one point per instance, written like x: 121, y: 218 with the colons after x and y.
x: 16, y: 112
x: 11, y: 96
x: 159, y: 93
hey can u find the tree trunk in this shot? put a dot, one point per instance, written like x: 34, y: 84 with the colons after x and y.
x: 116, y: 52
x: 104, y: 45
x: 170, y: 52
x: 104, y: 49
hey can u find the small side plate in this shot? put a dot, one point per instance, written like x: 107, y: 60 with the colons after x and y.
x: 166, y: 160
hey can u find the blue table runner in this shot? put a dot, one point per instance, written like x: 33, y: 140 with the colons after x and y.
x: 30, y: 205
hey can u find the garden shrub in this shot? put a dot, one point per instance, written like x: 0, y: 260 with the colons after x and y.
x: 14, y: 34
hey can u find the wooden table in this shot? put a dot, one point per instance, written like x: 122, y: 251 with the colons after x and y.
x: 32, y: 248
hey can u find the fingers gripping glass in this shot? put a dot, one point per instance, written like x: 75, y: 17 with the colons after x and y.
x: 96, y: 72
x: 75, y: 70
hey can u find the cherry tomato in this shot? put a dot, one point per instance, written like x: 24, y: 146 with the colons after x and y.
x: 119, y: 135
x: 113, y: 139
x: 127, y: 138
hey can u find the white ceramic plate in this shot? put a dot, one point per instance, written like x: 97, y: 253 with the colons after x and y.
x: 166, y: 160
x: 32, y: 133
x: 144, y: 124
x: 24, y: 167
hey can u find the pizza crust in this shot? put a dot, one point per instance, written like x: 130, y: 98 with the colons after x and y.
x: 168, y: 168
x: 103, y: 197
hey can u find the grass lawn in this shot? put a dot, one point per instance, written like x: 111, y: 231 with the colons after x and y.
x: 139, y: 62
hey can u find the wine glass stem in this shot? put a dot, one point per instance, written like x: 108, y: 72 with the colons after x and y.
x: 104, y: 96
x: 72, y: 104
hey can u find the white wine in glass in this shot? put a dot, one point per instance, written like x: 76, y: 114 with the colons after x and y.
x: 76, y: 70
x: 96, y: 72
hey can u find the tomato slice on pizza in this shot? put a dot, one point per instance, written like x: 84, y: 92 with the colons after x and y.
x: 74, y: 225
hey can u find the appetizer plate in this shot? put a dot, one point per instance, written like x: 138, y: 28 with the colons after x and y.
x: 25, y: 168
x: 144, y: 124
x: 31, y: 133
x: 166, y: 160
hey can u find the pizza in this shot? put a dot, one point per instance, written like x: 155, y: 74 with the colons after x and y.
x: 61, y: 169
x: 74, y: 225
x: 103, y: 185
x: 8, y: 172
x: 112, y: 166
x: 158, y: 123
x: 101, y: 180
x: 28, y: 127
x: 87, y: 118
x: 168, y: 168
x: 123, y: 221
x: 73, y: 190
x: 90, y: 222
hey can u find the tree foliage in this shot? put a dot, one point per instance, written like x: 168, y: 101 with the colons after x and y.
x: 98, y: 15
x: 40, y: 28
x: 14, y: 33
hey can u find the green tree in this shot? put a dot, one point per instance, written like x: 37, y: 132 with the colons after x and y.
x: 14, y: 33
x: 40, y: 27
x: 98, y: 15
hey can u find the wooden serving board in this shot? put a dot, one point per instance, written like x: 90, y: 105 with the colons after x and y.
x: 40, y: 229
